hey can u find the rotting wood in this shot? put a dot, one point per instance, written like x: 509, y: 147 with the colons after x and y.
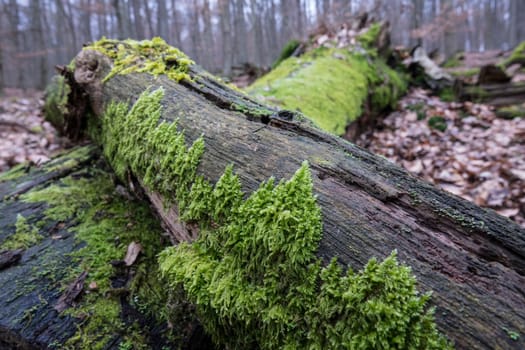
x: 32, y: 299
x: 472, y: 258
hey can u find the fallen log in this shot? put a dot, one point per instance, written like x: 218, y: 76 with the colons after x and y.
x: 504, y: 94
x: 62, y: 225
x: 473, y: 259
x: 353, y: 59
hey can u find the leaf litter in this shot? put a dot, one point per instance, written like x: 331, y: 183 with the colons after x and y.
x: 462, y: 148
x: 24, y: 134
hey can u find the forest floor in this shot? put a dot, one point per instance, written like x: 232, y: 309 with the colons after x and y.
x: 461, y: 147
x: 24, y: 134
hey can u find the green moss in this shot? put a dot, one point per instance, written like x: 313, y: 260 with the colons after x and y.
x: 369, y: 39
x: 517, y: 55
x: 24, y: 237
x: 438, y: 123
x: 329, y: 86
x: 447, y: 95
x: 419, y: 108
x: 253, y: 274
x: 151, y: 56
x: 105, y: 224
x: 286, y: 52
x: 465, y: 73
x: 13, y: 173
x: 56, y: 101
x: 454, y: 61
x: 255, y: 281
x: 511, y: 112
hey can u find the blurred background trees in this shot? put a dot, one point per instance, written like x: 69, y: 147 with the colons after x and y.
x: 36, y: 34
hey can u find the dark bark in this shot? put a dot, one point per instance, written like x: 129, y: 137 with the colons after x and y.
x: 503, y: 94
x: 37, y: 283
x: 472, y: 258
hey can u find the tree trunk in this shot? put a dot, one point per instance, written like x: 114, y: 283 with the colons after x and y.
x: 473, y: 259
x: 66, y: 285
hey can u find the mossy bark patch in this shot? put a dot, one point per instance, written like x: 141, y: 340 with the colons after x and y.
x: 252, y: 272
x: 150, y: 56
x: 82, y: 224
x: 330, y: 86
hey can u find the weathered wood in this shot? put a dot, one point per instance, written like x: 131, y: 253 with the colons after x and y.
x: 37, y: 308
x: 472, y: 258
x: 503, y: 94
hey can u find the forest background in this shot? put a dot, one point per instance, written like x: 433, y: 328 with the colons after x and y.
x: 218, y: 34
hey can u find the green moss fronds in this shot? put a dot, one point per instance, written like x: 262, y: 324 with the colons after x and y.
x: 156, y: 152
x: 149, y: 56
x: 255, y: 282
x: 105, y: 224
x: 369, y: 39
x: 24, y: 237
x: 253, y: 273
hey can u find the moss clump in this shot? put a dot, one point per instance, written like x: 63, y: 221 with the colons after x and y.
x: 369, y: 39
x: 438, y: 123
x: 517, y: 55
x: 255, y: 281
x: 454, y: 61
x: 330, y: 86
x: 447, y: 94
x: 13, y: 173
x: 149, y: 56
x: 24, y: 237
x: 465, y: 73
x: 56, y: 101
x: 511, y: 112
x: 286, y: 52
x: 162, y: 160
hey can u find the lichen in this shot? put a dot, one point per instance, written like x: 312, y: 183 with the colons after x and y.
x: 25, y: 236
x: 330, y: 86
x: 150, y: 56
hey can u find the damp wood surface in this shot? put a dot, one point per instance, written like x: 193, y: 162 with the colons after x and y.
x: 51, y: 292
x: 472, y: 258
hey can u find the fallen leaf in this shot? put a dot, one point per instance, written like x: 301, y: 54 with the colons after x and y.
x: 132, y: 253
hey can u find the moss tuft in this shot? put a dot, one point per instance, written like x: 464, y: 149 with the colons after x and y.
x: 286, y: 52
x: 255, y: 282
x: 105, y: 224
x: 369, y: 39
x: 511, y: 112
x: 24, y: 237
x: 517, y: 56
x: 438, y: 123
x: 150, y: 56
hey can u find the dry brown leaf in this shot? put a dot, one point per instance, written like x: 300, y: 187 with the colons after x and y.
x: 132, y: 253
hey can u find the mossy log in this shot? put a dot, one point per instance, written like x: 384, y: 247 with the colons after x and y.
x: 503, y: 94
x: 471, y: 258
x: 64, y: 226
